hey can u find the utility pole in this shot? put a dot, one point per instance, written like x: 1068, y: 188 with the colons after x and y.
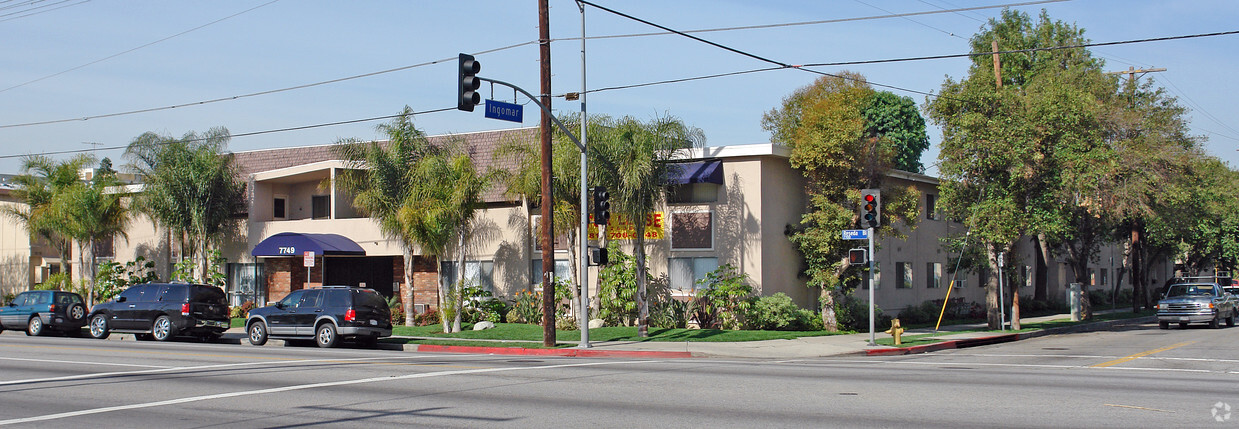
x: 548, y: 235
x: 1140, y: 293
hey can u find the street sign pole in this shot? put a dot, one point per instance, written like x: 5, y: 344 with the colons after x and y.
x: 872, y: 256
x: 1002, y: 299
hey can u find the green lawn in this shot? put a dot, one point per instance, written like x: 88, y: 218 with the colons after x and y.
x: 922, y: 339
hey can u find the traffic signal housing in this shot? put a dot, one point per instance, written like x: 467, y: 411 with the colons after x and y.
x: 468, y: 83
x: 601, y: 205
x: 858, y: 257
x: 598, y: 255
x: 870, y: 208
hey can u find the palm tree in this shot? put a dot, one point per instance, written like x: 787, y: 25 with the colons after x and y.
x: 445, y: 199
x: 92, y: 211
x: 191, y: 186
x: 381, y: 180
x: 630, y: 158
x: 41, y: 180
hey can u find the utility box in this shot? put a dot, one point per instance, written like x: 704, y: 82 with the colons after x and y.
x: 1073, y: 301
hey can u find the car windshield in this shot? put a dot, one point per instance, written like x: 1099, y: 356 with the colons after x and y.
x: 1181, y: 290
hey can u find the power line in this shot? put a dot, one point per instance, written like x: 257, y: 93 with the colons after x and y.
x: 137, y: 48
x: 252, y: 133
x: 913, y: 21
x: 254, y: 94
x: 44, y: 11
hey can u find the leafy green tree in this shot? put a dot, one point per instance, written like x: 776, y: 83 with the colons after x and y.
x: 1016, y: 156
x: 190, y: 186
x: 837, y: 130
x: 630, y: 158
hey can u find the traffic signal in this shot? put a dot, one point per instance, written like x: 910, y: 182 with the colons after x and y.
x: 468, y: 83
x: 870, y: 208
x: 602, y: 207
x: 858, y: 257
x: 598, y: 255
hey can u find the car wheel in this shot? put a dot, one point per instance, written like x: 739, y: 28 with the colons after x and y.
x: 1163, y: 325
x: 326, y: 336
x: 1215, y: 323
x: 1230, y: 321
x: 258, y: 333
x: 99, y: 326
x: 161, y: 330
x: 77, y: 312
x: 35, y: 327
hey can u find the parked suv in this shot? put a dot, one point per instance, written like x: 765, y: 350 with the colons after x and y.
x: 38, y: 311
x: 162, y: 311
x: 327, y: 314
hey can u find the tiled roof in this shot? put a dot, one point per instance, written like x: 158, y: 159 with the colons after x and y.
x: 480, y: 146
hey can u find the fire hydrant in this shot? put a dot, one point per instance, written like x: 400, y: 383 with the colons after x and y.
x: 896, y: 331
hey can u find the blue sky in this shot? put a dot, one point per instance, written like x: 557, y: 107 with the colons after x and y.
x: 87, y: 58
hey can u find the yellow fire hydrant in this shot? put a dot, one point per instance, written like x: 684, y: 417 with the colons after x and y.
x: 896, y: 331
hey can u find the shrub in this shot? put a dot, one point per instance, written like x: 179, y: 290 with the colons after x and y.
x: 113, y: 277
x: 668, y: 314
x: 58, y: 281
x: 852, y: 314
x: 242, y: 310
x: 8, y: 297
x: 723, y: 298
x: 565, y: 323
x: 1097, y: 297
x: 426, y: 319
x: 778, y: 313
x: 617, y: 289
x: 527, y: 308
x: 397, y: 315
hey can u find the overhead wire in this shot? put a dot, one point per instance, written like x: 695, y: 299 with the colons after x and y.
x: 44, y: 11
x: 246, y: 134
x: 139, y: 47
x: 254, y: 94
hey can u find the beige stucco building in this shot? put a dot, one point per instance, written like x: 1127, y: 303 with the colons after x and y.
x: 731, y: 205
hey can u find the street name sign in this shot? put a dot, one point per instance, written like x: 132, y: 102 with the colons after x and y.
x: 505, y: 111
x: 855, y: 234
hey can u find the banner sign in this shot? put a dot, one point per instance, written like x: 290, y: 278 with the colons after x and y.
x: 620, y: 228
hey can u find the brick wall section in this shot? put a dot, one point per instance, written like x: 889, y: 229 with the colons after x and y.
x: 425, y: 282
x: 279, y: 278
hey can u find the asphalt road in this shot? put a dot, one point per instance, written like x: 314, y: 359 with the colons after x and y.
x: 1137, y: 377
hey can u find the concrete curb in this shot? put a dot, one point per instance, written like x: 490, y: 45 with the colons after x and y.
x: 1005, y: 338
x: 571, y: 352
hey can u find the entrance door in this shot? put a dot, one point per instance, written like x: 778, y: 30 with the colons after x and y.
x: 375, y: 271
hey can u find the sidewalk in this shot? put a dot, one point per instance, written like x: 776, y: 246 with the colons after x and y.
x: 805, y: 347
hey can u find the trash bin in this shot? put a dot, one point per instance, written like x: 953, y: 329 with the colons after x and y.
x: 1073, y: 301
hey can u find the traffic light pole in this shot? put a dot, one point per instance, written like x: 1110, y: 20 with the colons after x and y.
x: 582, y: 316
x: 872, y: 286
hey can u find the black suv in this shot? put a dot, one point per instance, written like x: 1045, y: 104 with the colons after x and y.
x: 38, y: 311
x: 162, y: 311
x: 326, y: 314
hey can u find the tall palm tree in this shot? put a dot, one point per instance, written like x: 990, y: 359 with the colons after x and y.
x: 191, y: 186
x: 381, y: 179
x: 41, y: 180
x: 446, y: 198
x: 92, y: 211
x: 630, y: 158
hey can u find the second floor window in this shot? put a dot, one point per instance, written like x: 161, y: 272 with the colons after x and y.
x: 279, y: 208
x: 320, y: 204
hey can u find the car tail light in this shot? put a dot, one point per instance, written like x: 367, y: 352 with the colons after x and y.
x: 350, y: 315
x: 185, y: 309
x: 52, y: 308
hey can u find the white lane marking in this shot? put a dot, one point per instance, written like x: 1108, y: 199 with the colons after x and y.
x: 1104, y: 357
x: 297, y: 387
x: 192, y: 368
x: 82, y: 362
x: 1022, y: 365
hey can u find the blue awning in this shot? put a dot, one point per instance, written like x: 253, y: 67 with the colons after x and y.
x: 296, y: 244
x: 683, y: 173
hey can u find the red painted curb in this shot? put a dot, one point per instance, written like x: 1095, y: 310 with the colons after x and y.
x: 911, y: 350
x: 553, y: 352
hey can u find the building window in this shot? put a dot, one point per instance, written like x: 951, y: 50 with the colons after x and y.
x: 279, y: 207
x: 563, y: 270
x: 983, y: 277
x: 561, y: 240
x: 692, y: 193
x: 931, y: 206
x: 1103, y: 278
x: 480, y: 274
x: 686, y: 272
x: 877, y: 277
x: 933, y: 275
x: 104, y: 248
x: 692, y: 230
x: 903, y: 271
x: 320, y: 206
x: 1028, y: 276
